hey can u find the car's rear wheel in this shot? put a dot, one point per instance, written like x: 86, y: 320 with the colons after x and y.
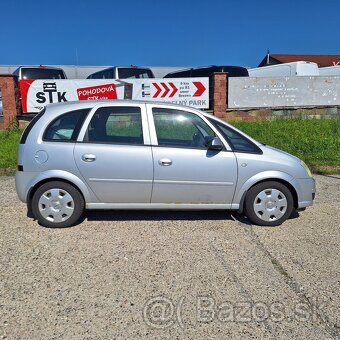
x: 57, y: 204
x: 269, y: 203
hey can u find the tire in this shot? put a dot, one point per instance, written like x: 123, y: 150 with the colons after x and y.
x: 57, y: 205
x: 269, y: 204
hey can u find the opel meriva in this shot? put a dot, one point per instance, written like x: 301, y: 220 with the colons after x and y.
x: 136, y: 155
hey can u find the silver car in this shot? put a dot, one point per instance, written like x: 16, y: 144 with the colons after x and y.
x: 137, y: 155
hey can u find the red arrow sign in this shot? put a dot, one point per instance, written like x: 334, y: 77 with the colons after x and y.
x: 159, y: 90
x: 200, y: 88
x: 174, y: 89
x: 166, y: 90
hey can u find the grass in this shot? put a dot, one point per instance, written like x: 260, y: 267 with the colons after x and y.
x: 9, y: 141
x: 316, y: 141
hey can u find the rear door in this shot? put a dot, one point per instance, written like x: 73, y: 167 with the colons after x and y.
x: 113, y: 154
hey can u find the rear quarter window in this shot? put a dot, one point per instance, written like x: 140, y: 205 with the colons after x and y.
x: 30, y: 126
x: 66, y: 127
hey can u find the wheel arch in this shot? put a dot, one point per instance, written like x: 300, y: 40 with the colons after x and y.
x: 61, y: 177
x: 285, y: 182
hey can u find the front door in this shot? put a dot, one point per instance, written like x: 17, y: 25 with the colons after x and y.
x: 185, y: 171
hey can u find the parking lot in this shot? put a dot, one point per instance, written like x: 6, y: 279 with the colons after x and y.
x: 184, y: 275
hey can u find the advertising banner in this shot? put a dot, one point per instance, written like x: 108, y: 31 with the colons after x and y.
x: 35, y: 94
x: 185, y: 91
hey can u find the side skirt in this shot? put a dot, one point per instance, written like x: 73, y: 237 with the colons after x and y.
x: 160, y: 206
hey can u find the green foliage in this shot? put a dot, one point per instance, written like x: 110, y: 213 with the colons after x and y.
x: 316, y: 141
x: 12, y: 125
x: 9, y: 140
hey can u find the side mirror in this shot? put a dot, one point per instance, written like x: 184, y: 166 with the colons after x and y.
x: 215, y: 144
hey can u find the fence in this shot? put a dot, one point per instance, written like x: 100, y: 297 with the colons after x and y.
x: 34, y: 94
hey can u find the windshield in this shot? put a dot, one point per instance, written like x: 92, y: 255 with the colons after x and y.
x: 41, y: 73
x: 134, y: 73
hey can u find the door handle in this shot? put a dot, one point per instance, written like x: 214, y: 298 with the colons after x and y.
x: 165, y: 162
x: 88, y: 157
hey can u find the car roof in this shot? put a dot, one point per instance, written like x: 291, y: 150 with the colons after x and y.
x: 129, y: 66
x: 211, y: 68
x: 42, y: 67
x: 92, y: 103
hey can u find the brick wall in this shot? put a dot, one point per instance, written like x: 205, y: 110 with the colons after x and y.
x: 10, y: 101
x: 219, y: 82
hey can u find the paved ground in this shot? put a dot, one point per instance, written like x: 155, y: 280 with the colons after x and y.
x: 173, y: 275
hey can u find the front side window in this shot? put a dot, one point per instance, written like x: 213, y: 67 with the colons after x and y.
x: 66, y: 127
x: 238, y: 142
x: 178, y: 128
x: 117, y: 125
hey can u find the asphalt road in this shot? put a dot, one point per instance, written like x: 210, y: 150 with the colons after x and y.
x: 169, y: 275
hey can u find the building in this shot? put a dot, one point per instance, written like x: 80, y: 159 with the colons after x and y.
x: 321, y: 59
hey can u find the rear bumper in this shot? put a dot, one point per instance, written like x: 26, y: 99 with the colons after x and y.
x: 307, y: 192
x: 22, y: 184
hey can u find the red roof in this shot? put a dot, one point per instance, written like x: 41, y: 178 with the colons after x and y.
x: 321, y: 60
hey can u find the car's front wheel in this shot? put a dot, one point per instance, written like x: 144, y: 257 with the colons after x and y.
x: 269, y: 203
x: 57, y: 204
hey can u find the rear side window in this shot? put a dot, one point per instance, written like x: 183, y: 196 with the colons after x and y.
x: 66, y: 127
x: 116, y: 125
x: 238, y: 142
x: 30, y: 126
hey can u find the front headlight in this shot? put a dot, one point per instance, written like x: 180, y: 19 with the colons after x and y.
x: 306, y: 168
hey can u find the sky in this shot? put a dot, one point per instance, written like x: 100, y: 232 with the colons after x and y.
x: 164, y: 33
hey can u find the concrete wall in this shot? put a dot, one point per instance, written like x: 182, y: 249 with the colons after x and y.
x: 283, y: 92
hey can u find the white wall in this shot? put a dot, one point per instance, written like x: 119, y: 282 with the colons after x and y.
x: 271, y: 92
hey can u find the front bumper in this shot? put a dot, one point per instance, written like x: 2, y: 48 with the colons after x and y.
x: 306, y: 193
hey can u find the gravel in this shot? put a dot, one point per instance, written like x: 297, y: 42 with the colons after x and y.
x: 185, y: 275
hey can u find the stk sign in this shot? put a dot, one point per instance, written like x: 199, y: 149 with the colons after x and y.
x: 186, y: 91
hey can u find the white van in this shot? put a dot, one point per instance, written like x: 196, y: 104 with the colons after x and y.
x: 330, y: 71
x: 297, y: 68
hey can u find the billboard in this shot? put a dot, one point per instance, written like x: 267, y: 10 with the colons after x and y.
x: 36, y: 94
